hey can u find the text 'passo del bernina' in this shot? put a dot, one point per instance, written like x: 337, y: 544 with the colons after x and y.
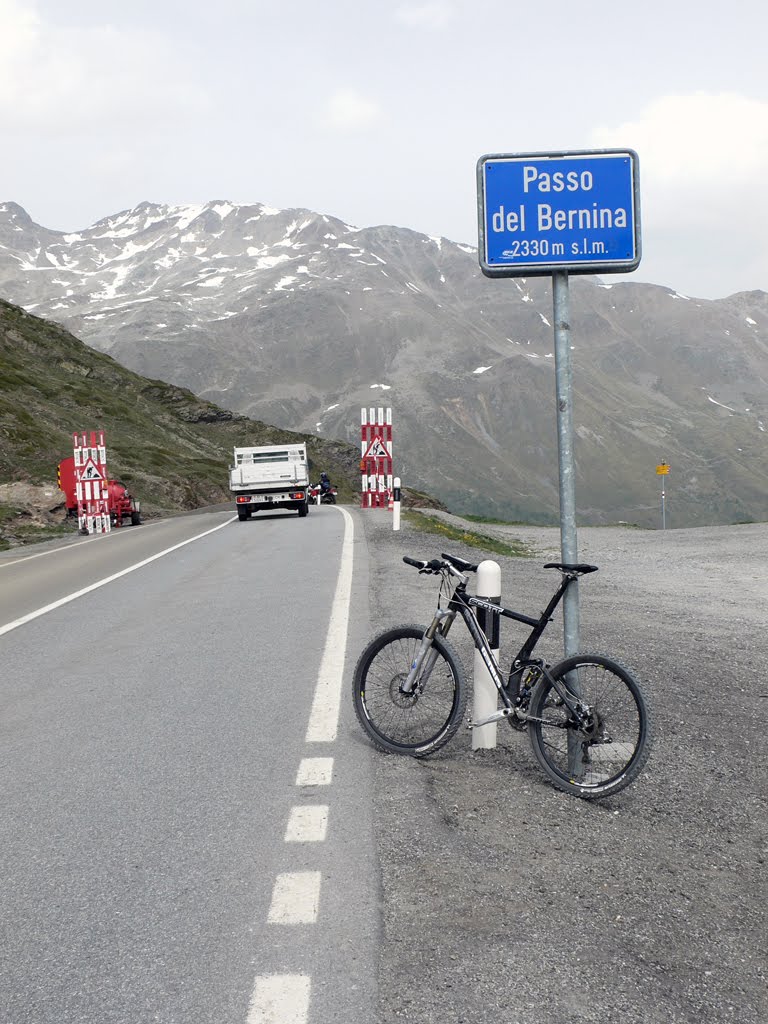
x: 549, y: 217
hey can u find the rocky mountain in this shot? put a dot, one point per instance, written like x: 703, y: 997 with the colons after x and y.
x: 297, y: 319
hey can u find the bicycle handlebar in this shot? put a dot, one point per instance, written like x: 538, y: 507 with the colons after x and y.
x: 434, y: 566
x: 455, y: 565
x: 413, y: 562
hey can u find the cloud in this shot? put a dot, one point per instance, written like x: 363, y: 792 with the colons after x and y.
x: 74, y: 79
x: 428, y: 15
x: 703, y: 158
x: 348, y: 110
x: 703, y: 138
x: 703, y: 164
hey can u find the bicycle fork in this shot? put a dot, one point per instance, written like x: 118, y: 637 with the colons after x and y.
x: 426, y: 656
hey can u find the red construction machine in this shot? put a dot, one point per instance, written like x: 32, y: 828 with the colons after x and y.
x: 123, y: 507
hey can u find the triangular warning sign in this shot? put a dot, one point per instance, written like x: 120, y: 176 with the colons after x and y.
x: 90, y: 471
x: 377, y: 450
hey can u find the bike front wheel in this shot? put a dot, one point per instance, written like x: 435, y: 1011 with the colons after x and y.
x: 416, y: 723
x: 601, y: 755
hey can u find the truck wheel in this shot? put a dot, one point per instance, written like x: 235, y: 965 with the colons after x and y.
x: 135, y: 518
x: 303, y: 509
x: 242, y: 515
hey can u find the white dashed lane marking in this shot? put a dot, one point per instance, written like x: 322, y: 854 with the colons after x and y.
x: 295, y: 898
x: 307, y: 824
x: 280, y: 999
x: 315, y: 771
x: 284, y: 998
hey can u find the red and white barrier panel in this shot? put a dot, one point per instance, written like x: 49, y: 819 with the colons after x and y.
x: 376, y: 457
x: 91, y: 486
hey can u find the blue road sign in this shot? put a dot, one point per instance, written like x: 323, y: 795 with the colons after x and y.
x: 543, y: 212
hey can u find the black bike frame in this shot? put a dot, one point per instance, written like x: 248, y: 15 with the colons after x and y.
x: 462, y: 603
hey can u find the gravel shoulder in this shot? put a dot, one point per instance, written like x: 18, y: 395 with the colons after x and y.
x: 506, y: 900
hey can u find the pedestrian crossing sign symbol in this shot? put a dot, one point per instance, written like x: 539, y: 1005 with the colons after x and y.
x: 377, y: 450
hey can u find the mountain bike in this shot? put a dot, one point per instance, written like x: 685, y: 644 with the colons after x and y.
x: 587, y: 719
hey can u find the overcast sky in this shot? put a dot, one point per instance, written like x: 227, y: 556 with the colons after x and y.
x: 376, y: 112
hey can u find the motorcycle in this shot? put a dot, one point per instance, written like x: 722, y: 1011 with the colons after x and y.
x: 318, y: 497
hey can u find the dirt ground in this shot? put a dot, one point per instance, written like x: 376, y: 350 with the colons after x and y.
x: 38, y: 502
x: 506, y: 900
x: 31, y: 513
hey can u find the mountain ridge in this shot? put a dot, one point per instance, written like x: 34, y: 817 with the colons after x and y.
x: 298, y: 319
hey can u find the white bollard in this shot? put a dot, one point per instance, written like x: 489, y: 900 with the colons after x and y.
x: 396, y: 504
x: 486, y: 696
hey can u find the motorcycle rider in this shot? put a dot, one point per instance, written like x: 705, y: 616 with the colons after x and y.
x: 325, y: 484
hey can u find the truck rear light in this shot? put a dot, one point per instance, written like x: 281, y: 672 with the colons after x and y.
x: 241, y: 498
x: 298, y: 495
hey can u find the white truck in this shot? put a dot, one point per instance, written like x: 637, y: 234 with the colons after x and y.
x: 272, y: 476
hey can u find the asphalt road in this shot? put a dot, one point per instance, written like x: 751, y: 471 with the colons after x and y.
x: 506, y: 900
x: 151, y: 732
x: 37, y: 576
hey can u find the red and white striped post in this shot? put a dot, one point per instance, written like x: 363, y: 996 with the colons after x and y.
x: 376, y: 457
x: 91, y: 487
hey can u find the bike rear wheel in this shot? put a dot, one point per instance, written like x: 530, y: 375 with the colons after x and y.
x: 609, y: 751
x: 418, y: 723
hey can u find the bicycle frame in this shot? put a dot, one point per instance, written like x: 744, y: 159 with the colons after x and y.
x: 461, y: 603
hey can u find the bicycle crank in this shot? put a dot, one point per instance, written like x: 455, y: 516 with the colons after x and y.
x: 495, y: 717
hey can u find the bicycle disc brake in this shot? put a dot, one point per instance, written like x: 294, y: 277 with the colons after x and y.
x: 397, y: 695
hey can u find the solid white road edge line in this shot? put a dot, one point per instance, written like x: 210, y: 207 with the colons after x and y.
x: 77, y: 543
x: 280, y: 999
x: 108, y: 579
x: 54, y: 551
x: 324, y: 716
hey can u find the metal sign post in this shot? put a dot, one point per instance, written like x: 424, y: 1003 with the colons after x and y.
x: 560, y: 213
x: 662, y: 470
x: 565, y: 460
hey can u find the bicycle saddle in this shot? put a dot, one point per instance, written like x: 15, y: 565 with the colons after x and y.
x: 580, y: 567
